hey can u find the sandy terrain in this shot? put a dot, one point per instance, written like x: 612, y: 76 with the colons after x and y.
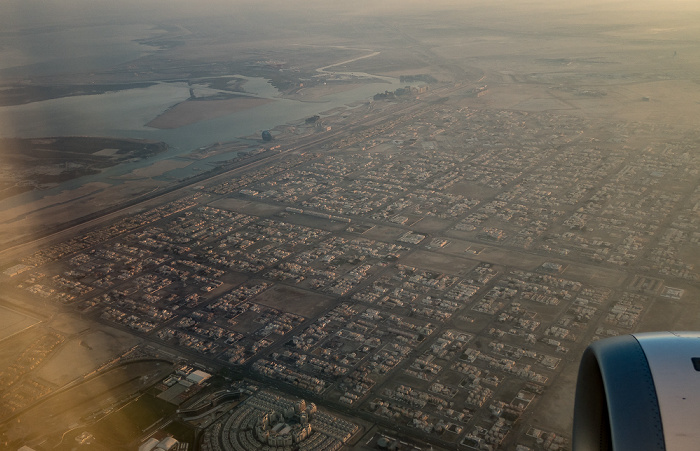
x: 400, y: 61
x: 42, y: 212
x: 216, y: 149
x: 60, y: 208
x: 246, y: 207
x: 192, y: 111
x: 68, y: 409
x: 83, y: 354
x: 492, y: 254
x: 294, y: 300
x: 48, y: 201
x: 555, y: 410
x: 156, y: 169
x: 315, y: 223
x: 65, y: 324
x: 107, y: 152
x: 383, y: 233
x: 432, y: 261
x: 12, y: 322
x: 431, y: 224
x: 674, y: 103
x: 13, y: 346
x: 316, y: 93
x: 534, y: 59
x: 593, y: 275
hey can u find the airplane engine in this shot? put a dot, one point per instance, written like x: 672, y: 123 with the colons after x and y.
x: 639, y: 392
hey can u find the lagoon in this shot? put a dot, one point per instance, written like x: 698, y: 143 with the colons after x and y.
x: 124, y: 114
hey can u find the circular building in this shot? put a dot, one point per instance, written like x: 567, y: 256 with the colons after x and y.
x: 269, y: 421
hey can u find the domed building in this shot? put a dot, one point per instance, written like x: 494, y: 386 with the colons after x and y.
x: 269, y: 421
x: 274, y: 429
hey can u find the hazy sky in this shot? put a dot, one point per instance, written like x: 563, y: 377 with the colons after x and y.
x: 27, y: 25
x: 23, y: 13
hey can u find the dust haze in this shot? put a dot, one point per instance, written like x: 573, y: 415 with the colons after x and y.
x: 415, y: 215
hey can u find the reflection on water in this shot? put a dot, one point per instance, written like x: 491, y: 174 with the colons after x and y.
x: 110, y: 114
x: 124, y: 113
x: 53, y: 51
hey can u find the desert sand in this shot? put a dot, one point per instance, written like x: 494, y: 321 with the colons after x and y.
x: 156, y: 169
x: 192, y: 111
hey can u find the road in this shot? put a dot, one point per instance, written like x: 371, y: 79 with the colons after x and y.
x: 368, y: 125
x: 11, y: 251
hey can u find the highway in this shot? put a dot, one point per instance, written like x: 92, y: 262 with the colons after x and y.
x: 366, y: 124
x: 21, y: 247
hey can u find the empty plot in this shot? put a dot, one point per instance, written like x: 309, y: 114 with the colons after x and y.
x: 84, y: 354
x: 294, y: 300
x: 12, y: 322
x: 246, y: 207
x: 434, y: 261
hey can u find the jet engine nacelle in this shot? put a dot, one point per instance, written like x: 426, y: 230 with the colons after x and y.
x: 639, y: 392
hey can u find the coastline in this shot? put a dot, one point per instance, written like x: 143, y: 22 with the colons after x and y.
x: 192, y: 111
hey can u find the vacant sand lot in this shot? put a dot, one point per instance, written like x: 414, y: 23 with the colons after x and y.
x: 12, y: 322
x: 294, y: 300
x: 156, y: 169
x: 192, y: 111
x: 84, y: 354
